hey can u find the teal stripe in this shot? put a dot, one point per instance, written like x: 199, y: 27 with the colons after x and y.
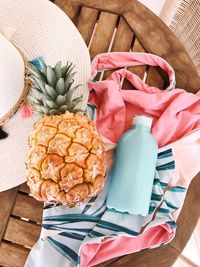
x: 102, y: 206
x: 69, y: 218
x: 64, y: 250
x: 87, y: 207
x: 170, y: 205
x: 163, y: 210
x: 114, y: 227
x: 94, y: 233
x: 168, y: 166
x: 177, y: 189
x: 54, y: 227
x: 151, y: 209
x: 72, y: 235
x: 172, y: 224
x: 156, y: 197
x: 165, y: 154
x: 159, y: 183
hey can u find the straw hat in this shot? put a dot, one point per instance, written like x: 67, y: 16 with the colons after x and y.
x: 28, y: 29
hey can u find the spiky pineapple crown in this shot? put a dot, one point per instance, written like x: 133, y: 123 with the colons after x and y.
x: 52, y: 88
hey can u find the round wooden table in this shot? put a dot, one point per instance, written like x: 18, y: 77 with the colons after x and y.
x: 110, y: 25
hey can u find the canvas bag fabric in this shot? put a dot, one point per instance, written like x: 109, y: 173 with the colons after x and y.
x: 175, y: 112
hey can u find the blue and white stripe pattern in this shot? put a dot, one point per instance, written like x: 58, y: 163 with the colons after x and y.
x: 64, y: 231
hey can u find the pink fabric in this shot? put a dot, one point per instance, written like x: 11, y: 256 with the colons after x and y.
x: 175, y: 112
x: 124, y: 245
x: 185, y: 151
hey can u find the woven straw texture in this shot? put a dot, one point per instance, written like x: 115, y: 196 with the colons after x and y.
x: 183, y: 17
x: 41, y: 29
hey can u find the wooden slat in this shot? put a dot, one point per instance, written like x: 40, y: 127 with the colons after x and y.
x: 160, y: 257
x: 86, y: 22
x: 189, y: 216
x: 71, y: 8
x: 158, y: 39
x: 103, y: 33
x: 197, y: 236
x: 122, y: 41
x: 123, y: 37
x: 107, y: 263
x: 22, y: 232
x: 24, y: 188
x: 138, y: 70
x: 113, y: 6
x: 12, y: 255
x: 7, y: 199
x: 155, y: 79
x: 28, y: 207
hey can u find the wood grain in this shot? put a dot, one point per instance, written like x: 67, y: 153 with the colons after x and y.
x: 122, y: 41
x: 189, y: 216
x: 154, y: 78
x: 104, y: 31
x: 71, y: 8
x: 86, y: 22
x: 138, y: 70
x: 112, y: 6
x: 24, y: 188
x: 158, y: 39
x: 24, y: 208
x: 22, y: 232
x: 123, y: 37
x: 12, y: 255
x: 7, y: 199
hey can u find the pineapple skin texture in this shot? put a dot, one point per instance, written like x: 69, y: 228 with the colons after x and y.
x: 66, y: 161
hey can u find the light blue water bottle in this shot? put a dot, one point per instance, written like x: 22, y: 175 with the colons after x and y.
x: 134, y: 169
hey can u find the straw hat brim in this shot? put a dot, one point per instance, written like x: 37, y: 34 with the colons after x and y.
x: 40, y: 29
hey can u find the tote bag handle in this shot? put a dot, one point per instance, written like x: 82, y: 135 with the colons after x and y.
x: 115, y: 60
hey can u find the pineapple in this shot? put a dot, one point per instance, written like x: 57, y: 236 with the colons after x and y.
x: 66, y: 158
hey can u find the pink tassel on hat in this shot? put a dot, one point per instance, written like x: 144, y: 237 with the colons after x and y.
x: 26, y: 111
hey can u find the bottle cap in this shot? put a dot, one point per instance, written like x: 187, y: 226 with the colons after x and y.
x: 143, y: 120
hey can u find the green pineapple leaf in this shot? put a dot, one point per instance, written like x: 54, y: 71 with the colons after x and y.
x: 66, y: 68
x: 34, y: 72
x: 58, y: 70
x: 41, y: 109
x: 63, y: 108
x: 34, y: 100
x: 53, y: 89
x: 51, y: 92
x: 51, y: 104
x: 60, y: 86
x: 70, y: 93
x: 61, y: 100
x: 40, y: 84
x: 51, y: 77
x: 43, y: 67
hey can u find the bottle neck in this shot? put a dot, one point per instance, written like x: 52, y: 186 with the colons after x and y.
x: 142, y: 127
x: 142, y: 122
